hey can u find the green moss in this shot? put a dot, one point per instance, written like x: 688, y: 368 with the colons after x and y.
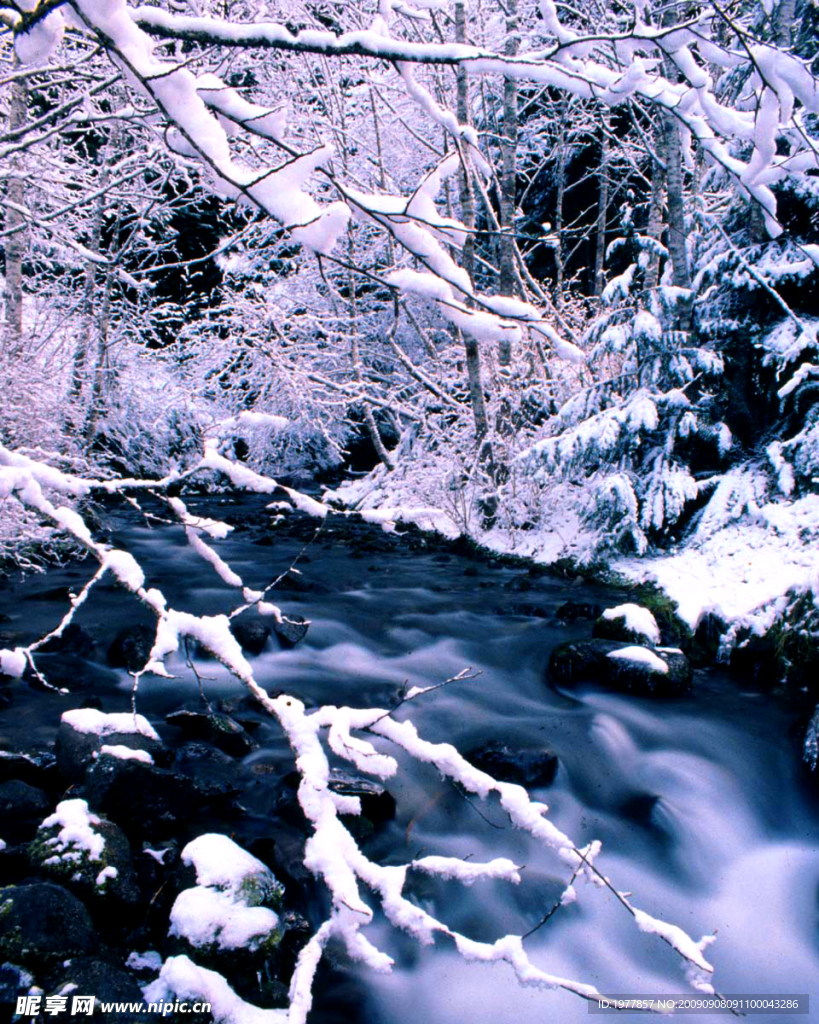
x: 261, y: 890
x: 11, y: 941
x: 11, y: 946
x: 795, y: 641
x: 664, y: 610
x: 66, y: 868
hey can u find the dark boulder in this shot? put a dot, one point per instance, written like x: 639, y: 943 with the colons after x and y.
x: 529, y: 611
x: 630, y: 623
x: 20, y: 802
x: 214, y: 727
x: 67, y: 670
x: 214, y: 773
x: 641, y: 676
x: 14, y: 982
x: 293, y: 582
x: 106, y: 884
x: 377, y: 804
x: 77, y: 749
x: 580, y: 661
x: 131, y: 647
x: 43, y: 922
x: 525, y: 767
x: 572, y: 611
x: 73, y: 640
x: 251, y: 634
x: 755, y: 662
x: 108, y: 983
x: 291, y: 630
x: 637, y: 670
x: 142, y: 798
x: 518, y: 584
x: 37, y: 769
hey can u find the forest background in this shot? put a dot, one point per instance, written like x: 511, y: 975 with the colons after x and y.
x: 550, y: 270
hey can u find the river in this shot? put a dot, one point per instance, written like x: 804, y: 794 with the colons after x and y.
x: 704, y: 811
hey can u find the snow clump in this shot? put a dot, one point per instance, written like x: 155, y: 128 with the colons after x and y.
x: 225, y: 909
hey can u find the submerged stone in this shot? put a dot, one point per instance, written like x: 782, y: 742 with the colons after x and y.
x: 525, y: 767
x: 251, y: 634
x: 214, y: 727
x: 657, y: 672
x: 131, y: 647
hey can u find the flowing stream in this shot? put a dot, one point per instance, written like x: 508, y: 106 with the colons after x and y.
x: 704, y: 811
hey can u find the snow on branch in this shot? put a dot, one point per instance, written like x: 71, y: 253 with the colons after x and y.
x: 782, y: 79
x: 198, y: 108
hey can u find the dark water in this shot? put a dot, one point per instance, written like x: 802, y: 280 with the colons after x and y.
x: 704, y: 812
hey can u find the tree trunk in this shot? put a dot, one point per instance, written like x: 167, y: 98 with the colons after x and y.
x: 677, y: 233
x: 89, y: 326
x: 783, y: 24
x: 602, y: 211
x: 655, y: 222
x: 467, y: 197
x: 508, y: 179
x: 102, y: 367
x: 561, y: 192
x: 355, y: 357
x: 16, y: 243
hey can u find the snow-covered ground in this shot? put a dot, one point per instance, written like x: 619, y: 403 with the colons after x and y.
x: 742, y: 572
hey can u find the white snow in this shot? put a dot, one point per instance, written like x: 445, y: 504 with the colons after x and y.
x: 741, y: 571
x: 641, y: 656
x: 637, y: 620
x: 206, y: 916
x: 180, y: 977
x: 42, y: 40
x: 148, y: 961
x: 13, y: 663
x: 677, y: 938
x: 252, y: 420
x: 215, y: 910
x: 220, y: 862
x: 126, y: 753
x: 468, y: 872
x: 76, y: 835
x: 126, y: 568
x: 90, y: 721
x: 109, y: 872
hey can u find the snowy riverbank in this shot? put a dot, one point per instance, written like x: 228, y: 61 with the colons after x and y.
x: 745, y: 566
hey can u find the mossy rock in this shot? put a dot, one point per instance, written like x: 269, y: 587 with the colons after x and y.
x: 106, y: 883
x: 41, y: 924
x: 643, y: 674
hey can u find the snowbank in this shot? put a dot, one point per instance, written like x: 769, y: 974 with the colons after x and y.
x: 743, y: 571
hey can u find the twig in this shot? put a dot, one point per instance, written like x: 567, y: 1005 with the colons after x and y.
x: 465, y: 673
